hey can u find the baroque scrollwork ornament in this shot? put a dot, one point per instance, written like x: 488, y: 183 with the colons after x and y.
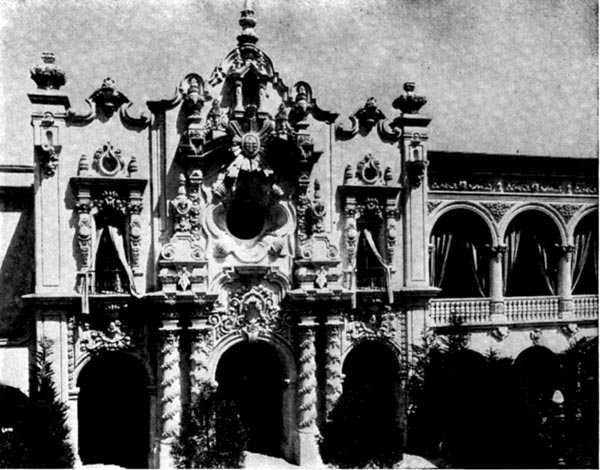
x: 114, y: 337
x: 382, y: 326
x: 251, y: 311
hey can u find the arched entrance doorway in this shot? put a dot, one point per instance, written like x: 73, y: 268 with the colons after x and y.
x: 252, y: 375
x: 113, y: 411
x: 364, y: 426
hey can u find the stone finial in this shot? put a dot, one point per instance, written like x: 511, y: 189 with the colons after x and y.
x: 409, y: 102
x: 247, y: 21
x: 84, y: 166
x: 48, y: 76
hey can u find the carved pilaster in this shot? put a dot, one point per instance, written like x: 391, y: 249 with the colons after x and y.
x: 391, y: 215
x: 333, y: 366
x: 307, y: 386
x: 351, y: 233
x: 135, y: 233
x: 170, y: 383
x: 84, y: 231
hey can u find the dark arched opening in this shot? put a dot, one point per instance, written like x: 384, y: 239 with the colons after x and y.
x: 364, y: 426
x: 459, y: 263
x: 584, y: 261
x: 113, y: 412
x: 537, y: 376
x: 251, y: 375
x: 531, y: 258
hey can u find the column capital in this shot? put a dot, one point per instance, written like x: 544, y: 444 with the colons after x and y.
x: 566, y: 250
x: 497, y: 251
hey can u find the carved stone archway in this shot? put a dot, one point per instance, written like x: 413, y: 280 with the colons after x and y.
x: 289, y: 435
x: 113, y: 411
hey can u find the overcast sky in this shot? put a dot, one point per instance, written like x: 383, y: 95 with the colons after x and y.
x: 501, y: 76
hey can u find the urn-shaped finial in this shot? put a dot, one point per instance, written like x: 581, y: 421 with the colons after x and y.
x: 247, y: 21
x: 48, y: 76
x: 409, y: 102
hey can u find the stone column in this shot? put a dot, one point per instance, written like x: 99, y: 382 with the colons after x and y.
x: 496, y: 283
x: 307, y: 395
x: 333, y: 367
x: 565, y: 282
x: 170, y: 387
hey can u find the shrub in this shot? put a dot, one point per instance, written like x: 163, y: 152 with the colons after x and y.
x: 211, y: 433
x: 40, y: 435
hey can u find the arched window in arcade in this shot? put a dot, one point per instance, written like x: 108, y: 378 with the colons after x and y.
x: 584, y: 261
x: 112, y: 272
x: 459, y: 260
x: 530, y: 263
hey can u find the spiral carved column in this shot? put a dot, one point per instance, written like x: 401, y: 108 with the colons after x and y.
x: 333, y: 367
x: 170, y: 388
x: 307, y: 394
x: 199, y: 358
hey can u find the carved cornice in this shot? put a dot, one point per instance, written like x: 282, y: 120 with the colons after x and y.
x: 107, y: 100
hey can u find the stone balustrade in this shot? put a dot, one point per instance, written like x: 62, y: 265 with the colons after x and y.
x: 470, y: 310
x: 531, y: 309
x: 528, y: 309
x: 585, y: 307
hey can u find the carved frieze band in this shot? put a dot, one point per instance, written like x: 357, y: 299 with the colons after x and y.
x: 506, y: 185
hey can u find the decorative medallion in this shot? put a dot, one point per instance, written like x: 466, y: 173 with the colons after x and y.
x: 250, y: 144
x: 108, y: 161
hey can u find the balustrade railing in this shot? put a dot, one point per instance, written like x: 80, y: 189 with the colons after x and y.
x: 109, y: 281
x: 370, y: 278
x: 470, y: 311
x: 585, y: 307
x: 533, y: 309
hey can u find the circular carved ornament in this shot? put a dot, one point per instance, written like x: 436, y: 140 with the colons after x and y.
x: 250, y: 144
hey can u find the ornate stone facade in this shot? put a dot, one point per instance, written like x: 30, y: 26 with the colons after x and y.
x: 241, y: 214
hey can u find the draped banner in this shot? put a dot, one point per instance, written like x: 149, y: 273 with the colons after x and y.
x: 118, y: 242
x: 387, y: 269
